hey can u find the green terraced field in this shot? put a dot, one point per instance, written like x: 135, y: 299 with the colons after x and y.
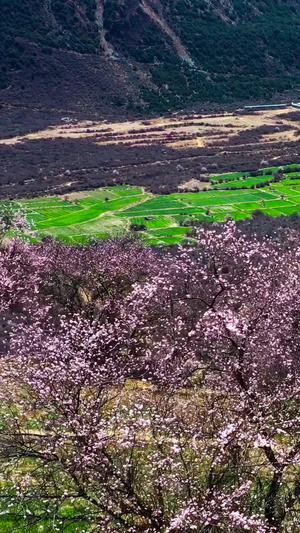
x: 229, y: 177
x: 110, y: 211
x: 247, y: 182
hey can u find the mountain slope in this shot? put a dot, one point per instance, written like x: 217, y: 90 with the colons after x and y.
x: 146, y: 54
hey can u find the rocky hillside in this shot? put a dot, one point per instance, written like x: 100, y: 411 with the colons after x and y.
x: 100, y: 55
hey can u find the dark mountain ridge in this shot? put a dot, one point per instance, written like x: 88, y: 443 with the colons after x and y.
x: 97, y: 56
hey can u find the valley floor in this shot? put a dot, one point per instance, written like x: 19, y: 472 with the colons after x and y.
x: 160, y: 219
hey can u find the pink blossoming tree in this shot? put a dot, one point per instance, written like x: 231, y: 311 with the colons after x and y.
x: 146, y: 392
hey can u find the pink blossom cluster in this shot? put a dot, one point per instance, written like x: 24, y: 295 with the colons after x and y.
x: 153, y: 391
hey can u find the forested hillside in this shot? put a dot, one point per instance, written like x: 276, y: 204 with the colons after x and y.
x: 156, y: 54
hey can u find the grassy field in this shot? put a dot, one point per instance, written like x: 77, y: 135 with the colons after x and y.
x: 8, y: 525
x: 110, y: 211
x: 243, y: 182
x: 229, y: 177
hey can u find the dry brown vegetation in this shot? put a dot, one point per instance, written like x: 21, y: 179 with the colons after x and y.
x: 180, y: 131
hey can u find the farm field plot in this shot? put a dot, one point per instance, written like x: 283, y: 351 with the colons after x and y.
x: 107, y: 226
x: 229, y: 177
x: 288, y: 210
x: 233, y: 176
x: 153, y: 222
x: 286, y: 190
x: 294, y: 174
x: 168, y: 232
x: 88, y: 214
x: 113, y: 211
x: 82, y: 215
x: 274, y: 169
x: 241, y: 183
x: 293, y: 182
